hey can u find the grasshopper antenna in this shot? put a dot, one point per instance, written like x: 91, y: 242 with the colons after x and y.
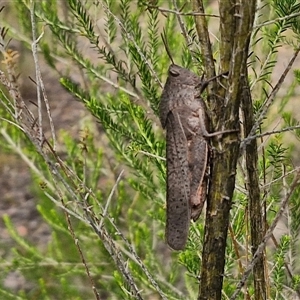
x: 164, y: 39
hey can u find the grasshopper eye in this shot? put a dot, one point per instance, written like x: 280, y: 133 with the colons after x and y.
x: 173, y: 73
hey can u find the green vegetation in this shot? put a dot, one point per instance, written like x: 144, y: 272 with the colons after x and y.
x: 102, y: 191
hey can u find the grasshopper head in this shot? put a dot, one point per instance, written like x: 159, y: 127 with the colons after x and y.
x: 183, y: 76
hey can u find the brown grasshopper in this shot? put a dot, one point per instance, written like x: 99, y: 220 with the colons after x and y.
x: 182, y: 113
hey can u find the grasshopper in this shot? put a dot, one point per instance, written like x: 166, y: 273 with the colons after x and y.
x: 182, y: 113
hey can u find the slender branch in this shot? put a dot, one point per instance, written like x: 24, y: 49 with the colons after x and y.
x: 152, y: 155
x: 255, y: 204
x: 77, y: 244
x: 139, y: 261
x: 187, y: 37
x: 272, y: 96
x: 276, y: 20
x: 267, y: 236
x: 120, y: 262
x: 37, y: 71
x: 250, y: 138
x: 278, y: 179
x: 179, y: 13
x: 104, y: 213
x: 40, y: 83
x: 182, y: 27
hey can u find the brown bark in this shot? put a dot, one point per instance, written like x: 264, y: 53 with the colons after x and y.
x: 236, y: 20
x: 257, y: 225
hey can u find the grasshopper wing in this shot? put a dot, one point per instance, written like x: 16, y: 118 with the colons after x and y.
x: 178, y: 184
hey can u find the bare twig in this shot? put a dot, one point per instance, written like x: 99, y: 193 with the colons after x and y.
x: 115, y: 85
x: 272, y: 96
x: 37, y: 71
x: 108, y: 241
x: 104, y: 213
x: 19, y: 151
x: 179, y: 13
x: 250, y: 138
x: 12, y: 123
x: 276, y: 20
x: 278, y: 179
x: 112, y: 249
x: 76, y: 241
x: 39, y: 81
x: 267, y: 236
x: 152, y: 155
x: 184, y: 31
x: 139, y: 262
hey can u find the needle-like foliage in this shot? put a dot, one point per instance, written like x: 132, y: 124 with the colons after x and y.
x: 101, y: 190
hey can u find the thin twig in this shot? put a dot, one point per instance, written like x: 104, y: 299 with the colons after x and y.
x: 115, y: 85
x: 58, y: 169
x: 184, y: 31
x: 111, y: 247
x: 237, y: 253
x: 104, y: 213
x: 267, y: 236
x: 101, y: 232
x: 152, y: 155
x: 278, y: 179
x: 179, y: 13
x: 204, y: 40
x: 276, y: 20
x: 12, y: 123
x: 76, y: 241
x: 36, y: 64
x: 271, y: 97
x: 39, y: 81
x: 139, y: 261
x: 250, y: 138
x: 64, y: 208
x: 25, y: 158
